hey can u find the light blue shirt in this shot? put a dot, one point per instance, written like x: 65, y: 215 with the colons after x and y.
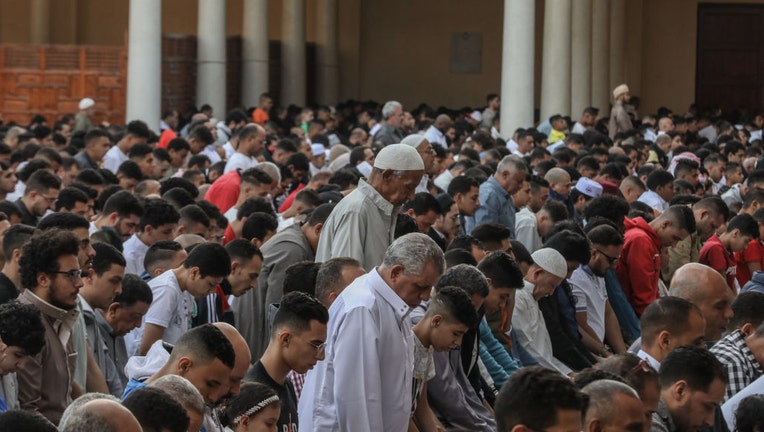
x: 496, y: 205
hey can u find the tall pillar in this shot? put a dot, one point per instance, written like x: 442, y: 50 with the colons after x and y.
x: 517, y: 53
x: 293, y: 53
x: 254, y: 51
x: 144, y: 62
x: 328, y: 70
x: 211, y: 56
x: 580, y: 57
x: 39, y: 21
x: 600, y: 56
x: 617, y: 41
x: 555, y: 68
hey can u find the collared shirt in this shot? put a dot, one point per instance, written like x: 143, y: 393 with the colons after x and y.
x: 27, y: 218
x: 45, y: 380
x: 434, y: 136
x: 662, y: 421
x: 742, y: 367
x: 444, y: 179
x: 591, y: 296
x: 653, y: 200
x: 99, y: 349
x: 532, y: 334
x: 116, y: 349
x: 496, y: 205
x: 526, y: 230
x: 85, y: 162
x: 650, y: 359
x: 113, y: 159
x: 362, y: 226
x: 365, y: 382
x: 134, y: 251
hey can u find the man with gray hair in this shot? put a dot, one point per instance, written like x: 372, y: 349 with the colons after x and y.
x: 365, y: 381
x: 101, y: 414
x: 613, y: 406
x: 187, y: 395
x: 334, y: 276
x: 362, y: 225
x: 390, y: 132
x: 496, y: 203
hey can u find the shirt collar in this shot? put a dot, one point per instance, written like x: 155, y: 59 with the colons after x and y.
x: 386, y: 206
x: 650, y: 359
x: 379, y: 285
x: 66, y: 316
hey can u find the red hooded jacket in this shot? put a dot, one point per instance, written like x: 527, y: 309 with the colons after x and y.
x: 639, y: 268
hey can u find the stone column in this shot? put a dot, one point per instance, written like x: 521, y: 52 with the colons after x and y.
x: 328, y: 71
x: 617, y: 41
x: 580, y: 57
x: 211, y: 56
x: 39, y: 21
x: 517, y: 66
x: 293, y: 53
x: 254, y: 51
x: 144, y: 62
x: 555, y: 68
x: 600, y: 56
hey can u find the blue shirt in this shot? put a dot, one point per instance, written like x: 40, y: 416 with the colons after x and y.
x: 627, y: 318
x: 496, y: 206
x: 131, y: 386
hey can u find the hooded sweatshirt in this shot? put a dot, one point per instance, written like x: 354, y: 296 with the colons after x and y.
x: 639, y: 268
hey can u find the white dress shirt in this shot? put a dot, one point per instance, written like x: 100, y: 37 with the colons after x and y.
x: 529, y: 326
x: 654, y: 200
x: 434, y: 136
x: 364, y: 383
x: 113, y: 159
x: 134, y: 250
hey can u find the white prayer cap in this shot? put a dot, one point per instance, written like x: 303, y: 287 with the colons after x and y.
x: 589, y: 187
x: 399, y: 157
x: 621, y: 89
x: 477, y: 116
x: 86, y: 103
x: 413, y: 140
x: 551, y: 261
x: 317, y: 149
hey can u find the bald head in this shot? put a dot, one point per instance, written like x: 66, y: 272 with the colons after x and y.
x: 102, y: 415
x: 708, y: 290
x: 243, y: 357
x: 557, y: 176
x: 443, y: 121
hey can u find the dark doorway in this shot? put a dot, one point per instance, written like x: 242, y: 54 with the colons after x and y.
x: 730, y: 56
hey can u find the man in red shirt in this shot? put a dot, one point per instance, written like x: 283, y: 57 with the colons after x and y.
x: 717, y: 251
x: 639, y: 267
x: 751, y: 259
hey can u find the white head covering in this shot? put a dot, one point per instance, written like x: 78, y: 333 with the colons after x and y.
x: 621, y: 89
x: 317, y: 149
x: 413, y: 140
x: 589, y: 187
x: 86, y: 103
x: 399, y: 157
x: 551, y: 261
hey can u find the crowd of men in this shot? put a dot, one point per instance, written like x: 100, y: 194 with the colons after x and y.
x: 367, y: 268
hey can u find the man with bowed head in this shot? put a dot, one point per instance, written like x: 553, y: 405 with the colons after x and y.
x: 362, y: 225
x: 364, y: 383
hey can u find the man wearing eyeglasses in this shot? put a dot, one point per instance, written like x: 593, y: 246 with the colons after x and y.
x: 40, y: 195
x: 297, y: 343
x: 51, y: 274
x: 597, y: 322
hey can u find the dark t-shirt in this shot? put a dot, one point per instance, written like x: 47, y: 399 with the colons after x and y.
x: 8, y: 290
x: 287, y: 396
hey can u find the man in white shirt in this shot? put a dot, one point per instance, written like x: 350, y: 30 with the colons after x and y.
x: 176, y: 290
x: 364, y: 384
x: 660, y: 190
x: 587, y: 120
x: 157, y: 223
x: 436, y: 133
x: 547, y: 272
x: 667, y: 323
x: 531, y: 228
x: 251, y: 144
x: 137, y: 132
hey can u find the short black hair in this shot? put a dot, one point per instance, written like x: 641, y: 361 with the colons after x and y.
x: 211, y: 259
x: 459, y: 256
x: 90, y: 176
x: 67, y: 221
x: 139, y: 151
x: 502, y: 270
x: 179, y: 182
x: 123, y: 203
x: 40, y: 254
x: 242, y: 250
x: 19, y: 419
x: 106, y: 256
x: 454, y: 304
x: 466, y: 242
x: 15, y: 238
x: 491, y: 234
x: 521, y: 253
x: 21, y: 326
x: 161, y: 254
x: 193, y: 213
x: 605, y: 235
x: 258, y: 225
x: 682, y: 217
x: 301, y: 276
x: 748, y: 414
x: 748, y: 307
x: 256, y: 177
x: 68, y: 197
x: 572, y: 245
x: 205, y: 343
x: 697, y: 366
x: 158, y: 212
x: 138, y: 129
x: 422, y: 203
x: 130, y: 169
x: 178, y: 197
x: 297, y: 310
x: 157, y: 410
x: 178, y: 144
x: 533, y: 397
x: 462, y: 184
x: 466, y: 277
x: 252, y: 205
x: 659, y: 178
x: 320, y: 214
x: 134, y: 290
x: 608, y: 206
x: 745, y: 223
x: 666, y: 313
x: 41, y: 181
